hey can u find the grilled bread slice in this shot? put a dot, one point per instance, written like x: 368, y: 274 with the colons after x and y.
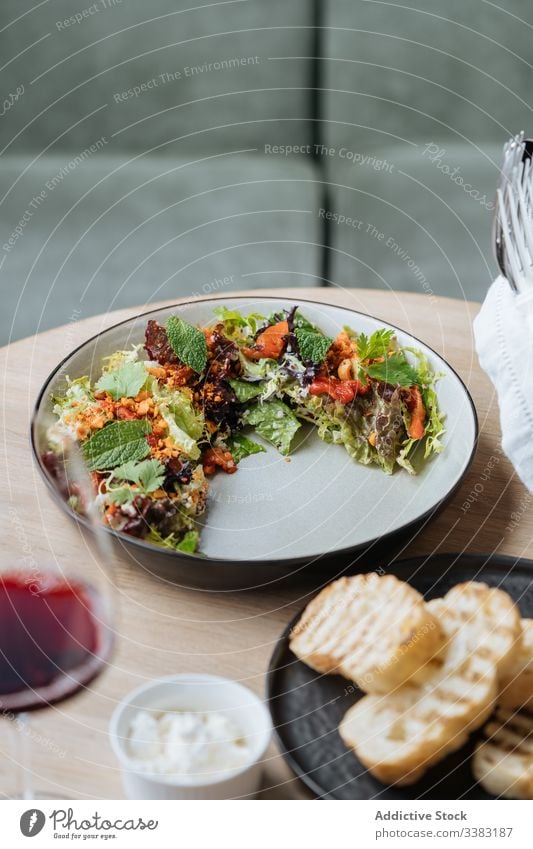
x: 487, y: 618
x: 397, y: 737
x: 503, y: 763
x: 375, y: 630
x: 516, y: 684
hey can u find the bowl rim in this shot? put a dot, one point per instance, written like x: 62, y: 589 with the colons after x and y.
x: 199, y: 557
x: 127, y: 763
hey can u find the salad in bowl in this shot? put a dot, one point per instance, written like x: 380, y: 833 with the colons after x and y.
x: 164, y: 416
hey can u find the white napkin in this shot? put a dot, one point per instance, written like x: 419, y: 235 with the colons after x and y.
x: 503, y: 332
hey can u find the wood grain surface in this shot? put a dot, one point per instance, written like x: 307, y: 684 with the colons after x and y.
x: 163, y: 629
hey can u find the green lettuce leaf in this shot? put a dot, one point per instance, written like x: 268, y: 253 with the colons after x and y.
x: 240, y: 446
x: 182, y: 439
x: 189, y: 543
x: 275, y: 422
x: 245, y: 390
x: 236, y: 325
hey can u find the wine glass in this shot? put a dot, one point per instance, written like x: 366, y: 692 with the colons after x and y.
x: 56, y: 621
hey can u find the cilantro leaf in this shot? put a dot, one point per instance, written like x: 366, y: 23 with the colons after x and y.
x: 124, y: 382
x: 245, y: 390
x: 240, y: 447
x: 312, y: 344
x: 274, y: 421
x: 393, y: 370
x: 122, y: 495
x: 374, y: 346
x: 187, y: 342
x: 116, y: 443
x: 148, y: 474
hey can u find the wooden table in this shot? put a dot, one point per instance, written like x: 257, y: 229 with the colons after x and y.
x: 162, y: 629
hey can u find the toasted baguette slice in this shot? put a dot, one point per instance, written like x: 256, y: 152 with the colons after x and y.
x: 397, y: 737
x: 488, y: 619
x: 375, y: 630
x: 503, y: 764
x: 516, y: 684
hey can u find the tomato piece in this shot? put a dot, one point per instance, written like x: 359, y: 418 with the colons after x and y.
x: 340, y: 390
x: 270, y: 343
x: 125, y: 413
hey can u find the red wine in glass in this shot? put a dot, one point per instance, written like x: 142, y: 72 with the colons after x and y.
x: 54, y: 639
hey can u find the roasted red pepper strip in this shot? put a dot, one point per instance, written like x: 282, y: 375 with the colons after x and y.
x: 340, y: 390
x: 270, y: 343
x: 415, y: 405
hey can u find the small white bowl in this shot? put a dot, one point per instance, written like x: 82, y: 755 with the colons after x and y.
x: 194, y: 692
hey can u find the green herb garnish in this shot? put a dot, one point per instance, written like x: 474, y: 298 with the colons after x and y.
x: 312, y: 344
x: 374, y: 346
x: 148, y: 474
x: 116, y: 443
x: 124, y: 382
x: 394, y: 370
x: 188, y: 343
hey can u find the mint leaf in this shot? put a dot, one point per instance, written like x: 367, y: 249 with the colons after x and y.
x: 240, y: 447
x: 312, y: 344
x: 125, y: 382
x: 374, y: 346
x: 394, y: 370
x: 116, y: 443
x: 187, y: 342
x: 148, y: 474
x: 245, y: 390
x: 189, y: 542
x: 274, y: 421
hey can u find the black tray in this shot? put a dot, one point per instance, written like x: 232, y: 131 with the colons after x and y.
x: 307, y: 707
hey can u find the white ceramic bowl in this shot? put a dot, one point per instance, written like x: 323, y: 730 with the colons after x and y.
x: 194, y: 692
